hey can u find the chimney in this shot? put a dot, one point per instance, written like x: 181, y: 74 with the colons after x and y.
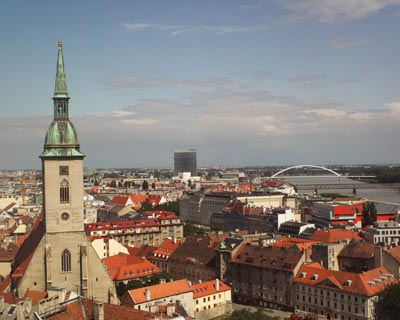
x: 217, y: 284
x: 148, y: 295
x: 98, y: 310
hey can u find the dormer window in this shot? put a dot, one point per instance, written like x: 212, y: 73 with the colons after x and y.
x: 314, y: 277
x: 348, y: 283
x: 303, y: 275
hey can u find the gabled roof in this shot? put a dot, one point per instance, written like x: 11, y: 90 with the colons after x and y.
x: 124, y: 267
x: 198, y: 251
x: 26, y: 251
x: 164, y: 251
x: 358, y: 250
x: 160, y: 291
x: 395, y: 253
x: 207, y: 288
x: 368, y: 283
x: 334, y: 235
x: 268, y: 257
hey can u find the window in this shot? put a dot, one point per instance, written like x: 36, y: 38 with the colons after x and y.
x: 64, y: 192
x: 66, y: 261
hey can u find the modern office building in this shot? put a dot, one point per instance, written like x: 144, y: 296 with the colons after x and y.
x: 185, y: 161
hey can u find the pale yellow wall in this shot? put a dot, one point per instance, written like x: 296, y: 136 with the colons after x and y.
x: 53, y: 207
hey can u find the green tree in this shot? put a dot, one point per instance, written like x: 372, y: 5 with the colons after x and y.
x: 96, y: 183
x: 145, y: 185
x: 172, y: 206
x: 190, y: 230
x: 373, y: 212
x: 366, y: 216
x: 146, y: 206
x: 387, y: 306
x: 113, y: 184
x: 153, y: 185
x: 189, y: 183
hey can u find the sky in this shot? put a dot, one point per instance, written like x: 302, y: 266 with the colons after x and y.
x: 274, y: 82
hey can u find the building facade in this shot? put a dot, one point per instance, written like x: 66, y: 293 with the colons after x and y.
x: 185, y: 161
x: 152, y: 231
x: 339, y: 295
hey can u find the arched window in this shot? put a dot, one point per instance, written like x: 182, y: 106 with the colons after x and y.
x: 64, y: 192
x: 66, y: 261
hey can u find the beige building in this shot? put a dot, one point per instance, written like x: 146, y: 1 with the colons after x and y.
x: 161, y: 295
x: 57, y: 255
x: 340, y: 295
x: 212, y: 299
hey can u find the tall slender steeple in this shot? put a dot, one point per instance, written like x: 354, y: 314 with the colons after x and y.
x: 61, y: 137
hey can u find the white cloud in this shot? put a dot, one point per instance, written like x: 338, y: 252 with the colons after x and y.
x: 393, y: 107
x: 333, y: 11
x: 186, y: 30
x: 346, y: 42
x: 141, y: 122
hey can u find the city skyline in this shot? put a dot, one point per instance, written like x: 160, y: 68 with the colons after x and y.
x: 243, y: 82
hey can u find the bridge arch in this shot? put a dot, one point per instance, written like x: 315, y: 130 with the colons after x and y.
x: 305, y: 166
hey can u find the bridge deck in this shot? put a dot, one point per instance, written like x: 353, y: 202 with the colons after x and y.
x: 327, y: 186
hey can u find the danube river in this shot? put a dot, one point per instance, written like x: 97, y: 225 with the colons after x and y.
x: 384, y: 194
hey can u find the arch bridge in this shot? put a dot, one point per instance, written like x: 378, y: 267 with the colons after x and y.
x: 306, y: 166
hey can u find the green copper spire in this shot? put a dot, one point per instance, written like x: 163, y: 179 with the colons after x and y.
x: 60, y: 90
x: 61, y: 137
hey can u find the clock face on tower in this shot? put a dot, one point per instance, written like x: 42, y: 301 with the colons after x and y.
x: 65, y: 216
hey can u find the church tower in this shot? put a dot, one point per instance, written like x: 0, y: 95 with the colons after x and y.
x: 62, y: 163
x: 57, y: 257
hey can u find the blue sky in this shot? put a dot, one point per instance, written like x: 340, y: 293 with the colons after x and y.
x: 243, y: 82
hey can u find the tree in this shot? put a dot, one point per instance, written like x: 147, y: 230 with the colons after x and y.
x: 145, y: 185
x: 387, y: 306
x: 96, y: 183
x: 172, y: 206
x: 113, y: 184
x: 366, y: 216
x: 189, y: 183
x: 373, y: 212
x: 153, y: 185
x: 190, y: 230
x: 369, y: 214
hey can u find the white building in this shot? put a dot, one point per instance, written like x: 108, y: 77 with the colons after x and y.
x: 387, y: 232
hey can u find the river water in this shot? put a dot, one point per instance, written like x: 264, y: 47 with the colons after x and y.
x: 384, y: 194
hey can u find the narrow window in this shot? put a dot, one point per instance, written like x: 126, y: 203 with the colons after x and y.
x: 64, y: 191
x: 66, y: 261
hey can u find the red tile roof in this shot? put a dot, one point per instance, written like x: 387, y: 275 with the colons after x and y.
x: 26, y: 251
x: 124, y: 267
x: 394, y: 252
x: 164, y: 251
x: 208, y: 288
x: 368, y: 283
x: 116, y: 225
x: 334, y: 235
x: 83, y: 309
x: 268, y: 257
x: 160, y: 291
